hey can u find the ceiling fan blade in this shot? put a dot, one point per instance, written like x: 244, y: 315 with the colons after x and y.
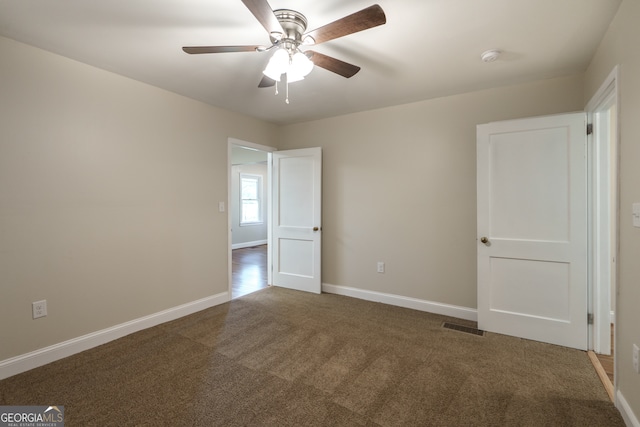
x: 332, y: 64
x: 267, y: 82
x: 220, y: 49
x: 264, y: 14
x: 367, y: 18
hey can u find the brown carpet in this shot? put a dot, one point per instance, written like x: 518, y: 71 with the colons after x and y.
x: 285, y: 358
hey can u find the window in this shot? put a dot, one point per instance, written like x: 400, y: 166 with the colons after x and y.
x: 250, y: 199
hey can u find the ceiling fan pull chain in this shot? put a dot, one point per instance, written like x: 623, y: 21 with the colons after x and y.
x: 287, y: 90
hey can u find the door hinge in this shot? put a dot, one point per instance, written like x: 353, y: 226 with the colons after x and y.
x: 589, y: 128
x: 590, y: 319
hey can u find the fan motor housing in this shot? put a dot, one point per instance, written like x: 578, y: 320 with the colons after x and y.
x: 293, y: 23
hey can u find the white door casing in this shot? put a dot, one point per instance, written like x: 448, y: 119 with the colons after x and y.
x: 532, y: 209
x: 603, y: 151
x: 297, y: 219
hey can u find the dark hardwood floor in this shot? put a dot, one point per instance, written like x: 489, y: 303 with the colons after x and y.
x: 249, y: 270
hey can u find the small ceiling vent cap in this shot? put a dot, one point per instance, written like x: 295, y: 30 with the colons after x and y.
x: 490, y: 55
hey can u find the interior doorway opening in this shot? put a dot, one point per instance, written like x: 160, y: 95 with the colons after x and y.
x: 604, y: 208
x: 249, y: 221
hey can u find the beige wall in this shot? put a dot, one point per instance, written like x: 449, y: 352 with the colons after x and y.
x: 620, y: 47
x: 109, y: 193
x: 399, y: 186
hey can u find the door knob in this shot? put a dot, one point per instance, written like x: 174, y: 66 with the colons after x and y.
x: 315, y: 229
x: 485, y: 240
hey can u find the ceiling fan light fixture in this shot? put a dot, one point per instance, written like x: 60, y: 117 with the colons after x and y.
x: 277, y: 65
x: 280, y: 60
x: 296, y: 67
x: 292, y: 76
x: 272, y: 74
x: 301, y: 64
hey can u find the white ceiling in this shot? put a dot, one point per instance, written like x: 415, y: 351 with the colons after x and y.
x: 427, y: 48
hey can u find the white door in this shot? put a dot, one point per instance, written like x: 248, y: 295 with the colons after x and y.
x: 532, y: 229
x: 296, y: 215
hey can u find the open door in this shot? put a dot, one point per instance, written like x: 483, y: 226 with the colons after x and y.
x: 296, y: 235
x: 532, y: 229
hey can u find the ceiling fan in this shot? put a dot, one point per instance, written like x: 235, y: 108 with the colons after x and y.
x: 286, y: 30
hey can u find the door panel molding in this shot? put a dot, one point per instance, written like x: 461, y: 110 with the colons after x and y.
x: 296, y: 215
x: 532, y: 200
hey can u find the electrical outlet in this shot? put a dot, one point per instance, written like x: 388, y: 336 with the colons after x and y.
x: 39, y: 308
x: 380, y: 267
x: 636, y: 361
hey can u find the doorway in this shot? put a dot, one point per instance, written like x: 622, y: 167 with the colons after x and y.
x: 602, y: 113
x: 249, y: 192
x: 289, y: 206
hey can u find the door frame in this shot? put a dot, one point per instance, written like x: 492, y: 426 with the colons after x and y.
x: 231, y: 142
x: 602, y: 293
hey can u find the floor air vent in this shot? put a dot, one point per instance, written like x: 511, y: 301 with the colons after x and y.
x: 465, y: 329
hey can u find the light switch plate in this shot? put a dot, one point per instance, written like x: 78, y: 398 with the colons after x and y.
x: 636, y: 214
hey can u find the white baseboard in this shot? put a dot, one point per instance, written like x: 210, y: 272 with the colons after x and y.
x: 34, y: 359
x: 629, y: 417
x: 406, y: 302
x: 248, y: 244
